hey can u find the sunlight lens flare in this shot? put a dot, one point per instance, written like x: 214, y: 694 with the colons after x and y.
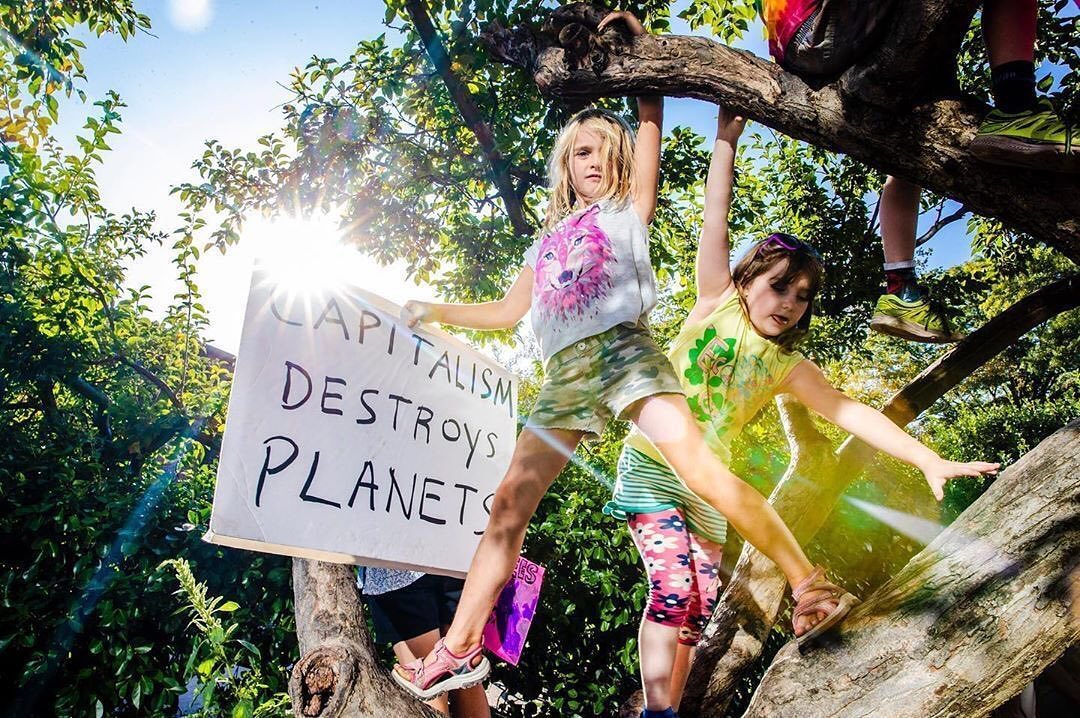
x: 303, y: 257
x: 913, y: 527
x: 191, y: 15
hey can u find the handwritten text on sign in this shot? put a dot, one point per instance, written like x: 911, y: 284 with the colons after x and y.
x: 351, y: 437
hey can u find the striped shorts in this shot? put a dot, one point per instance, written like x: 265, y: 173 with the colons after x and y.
x: 645, y: 486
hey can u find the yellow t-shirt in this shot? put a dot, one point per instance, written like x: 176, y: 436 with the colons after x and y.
x: 728, y: 371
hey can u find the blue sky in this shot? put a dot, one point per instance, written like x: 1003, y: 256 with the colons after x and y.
x: 219, y: 74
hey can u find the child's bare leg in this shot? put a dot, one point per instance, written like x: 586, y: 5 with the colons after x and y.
x: 899, y: 218
x: 469, y: 703
x: 539, y: 456
x: 905, y: 310
x: 684, y: 659
x: 1009, y: 30
x: 666, y: 421
x: 658, y: 647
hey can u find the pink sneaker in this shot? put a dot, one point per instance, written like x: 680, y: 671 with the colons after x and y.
x: 448, y: 672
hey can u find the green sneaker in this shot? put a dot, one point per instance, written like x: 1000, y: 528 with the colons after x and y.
x: 919, y: 321
x: 1037, y: 138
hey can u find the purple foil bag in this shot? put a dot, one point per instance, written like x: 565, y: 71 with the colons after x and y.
x: 508, y: 625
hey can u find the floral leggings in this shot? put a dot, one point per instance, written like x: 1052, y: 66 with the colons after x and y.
x: 683, y: 572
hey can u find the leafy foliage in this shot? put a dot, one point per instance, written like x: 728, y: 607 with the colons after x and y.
x: 224, y: 674
x: 112, y: 418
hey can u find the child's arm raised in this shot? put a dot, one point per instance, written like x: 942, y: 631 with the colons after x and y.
x: 809, y: 386
x: 714, y: 247
x: 500, y: 314
x: 647, y: 155
x: 650, y: 129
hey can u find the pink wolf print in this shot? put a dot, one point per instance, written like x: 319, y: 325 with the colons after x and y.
x: 572, y: 269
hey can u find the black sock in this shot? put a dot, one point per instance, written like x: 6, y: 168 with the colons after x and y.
x: 1013, y: 86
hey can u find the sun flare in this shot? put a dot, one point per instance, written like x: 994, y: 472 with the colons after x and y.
x: 304, y: 256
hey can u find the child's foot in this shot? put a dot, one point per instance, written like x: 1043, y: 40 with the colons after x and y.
x: 444, y: 672
x: 815, y: 595
x: 1035, y: 138
x: 916, y: 319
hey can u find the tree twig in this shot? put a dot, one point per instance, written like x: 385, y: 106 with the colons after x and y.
x: 939, y: 224
x: 470, y: 112
x: 148, y: 375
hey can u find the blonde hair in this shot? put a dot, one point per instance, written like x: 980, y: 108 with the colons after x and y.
x: 617, y: 156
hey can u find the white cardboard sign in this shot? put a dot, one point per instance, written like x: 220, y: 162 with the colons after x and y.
x: 352, y: 438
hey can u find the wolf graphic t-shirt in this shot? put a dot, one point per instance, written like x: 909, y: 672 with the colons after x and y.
x: 592, y: 273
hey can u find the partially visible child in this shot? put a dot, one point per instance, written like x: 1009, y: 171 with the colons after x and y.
x: 823, y: 37
x: 412, y: 610
x: 590, y: 285
x: 735, y: 352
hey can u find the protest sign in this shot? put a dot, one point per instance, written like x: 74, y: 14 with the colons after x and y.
x: 353, y: 438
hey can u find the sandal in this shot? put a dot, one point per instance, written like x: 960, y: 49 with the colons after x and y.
x: 811, y: 596
x: 448, y: 672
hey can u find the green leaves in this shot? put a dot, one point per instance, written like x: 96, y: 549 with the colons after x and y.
x: 96, y: 397
x: 228, y: 682
x: 727, y: 19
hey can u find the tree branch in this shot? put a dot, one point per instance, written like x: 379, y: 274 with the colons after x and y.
x: 980, y: 347
x: 220, y: 356
x: 939, y: 224
x: 88, y: 391
x: 968, y: 622
x: 48, y: 401
x: 466, y: 105
x: 148, y: 375
x: 926, y: 144
x: 338, y: 674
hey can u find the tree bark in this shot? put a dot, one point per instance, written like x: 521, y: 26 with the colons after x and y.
x: 338, y: 674
x: 734, y: 638
x: 925, y: 143
x: 970, y: 620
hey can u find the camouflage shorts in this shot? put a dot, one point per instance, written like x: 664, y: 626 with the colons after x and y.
x: 597, y: 378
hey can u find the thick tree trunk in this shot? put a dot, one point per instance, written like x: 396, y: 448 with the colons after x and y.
x: 338, y: 674
x: 968, y: 622
x: 734, y: 639
x: 926, y: 143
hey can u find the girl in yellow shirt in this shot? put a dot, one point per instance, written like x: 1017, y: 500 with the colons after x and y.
x: 733, y: 354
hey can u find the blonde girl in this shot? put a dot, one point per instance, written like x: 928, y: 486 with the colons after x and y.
x: 590, y: 286
x: 733, y: 354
